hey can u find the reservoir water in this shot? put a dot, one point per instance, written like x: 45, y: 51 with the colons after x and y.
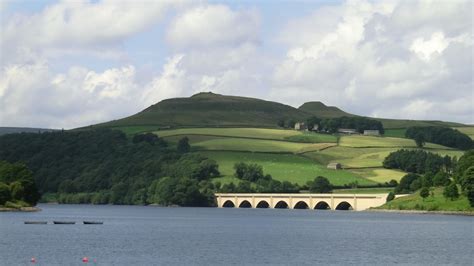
x: 137, y: 235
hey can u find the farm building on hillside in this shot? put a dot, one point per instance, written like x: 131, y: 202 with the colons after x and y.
x: 347, y: 131
x: 315, y: 127
x: 300, y: 126
x: 371, y: 132
x: 335, y: 166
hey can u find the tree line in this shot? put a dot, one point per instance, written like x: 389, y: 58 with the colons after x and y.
x: 428, y: 170
x: 17, y: 186
x: 331, y: 125
x: 445, y: 136
x: 104, y: 166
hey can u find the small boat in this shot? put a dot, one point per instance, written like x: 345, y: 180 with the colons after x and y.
x: 63, y: 222
x: 93, y: 222
x: 36, y: 222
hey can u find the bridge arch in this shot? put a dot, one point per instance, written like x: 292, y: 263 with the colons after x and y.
x: 245, y: 204
x: 281, y: 205
x: 301, y: 205
x: 228, y: 204
x: 263, y: 204
x: 344, y: 206
x: 322, y: 205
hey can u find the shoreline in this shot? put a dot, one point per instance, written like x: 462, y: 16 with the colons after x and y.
x: 22, y: 209
x: 461, y: 213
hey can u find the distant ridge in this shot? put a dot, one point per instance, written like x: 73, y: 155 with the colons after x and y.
x: 10, y: 130
x: 207, y: 109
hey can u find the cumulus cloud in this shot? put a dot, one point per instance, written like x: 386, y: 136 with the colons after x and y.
x: 32, y: 95
x: 212, y: 25
x: 401, y: 59
x: 218, y: 50
x: 78, y: 26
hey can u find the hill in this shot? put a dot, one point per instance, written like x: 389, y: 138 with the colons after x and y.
x: 10, y: 130
x: 214, y: 110
x: 321, y: 110
x: 208, y: 109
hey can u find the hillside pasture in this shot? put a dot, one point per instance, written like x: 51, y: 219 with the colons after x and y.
x: 352, y: 157
x: 466, y: 130
x: 395, y: 133
x: 203, y: 142
x: 379, y: 175
x: 369, y: 141
x: 364, y: 157
x: 284, y: 167
x: 257, y: 133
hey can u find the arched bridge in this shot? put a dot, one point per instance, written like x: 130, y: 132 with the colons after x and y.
x: 357, y: 202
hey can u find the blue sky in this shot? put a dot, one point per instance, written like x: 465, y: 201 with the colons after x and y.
x: 74, y: 63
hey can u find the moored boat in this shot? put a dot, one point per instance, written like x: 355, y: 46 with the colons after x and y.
x: 36, y: 222
x: 93, y: 222
x: 63, y: 222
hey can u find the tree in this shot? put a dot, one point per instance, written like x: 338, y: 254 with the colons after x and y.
x: 468, y: 184
x: 405, y: 185
x: 4, y: 193
x: 291, y: 123
x: 390, y: 196
x: 249, y: 172
x: 281, y: 123
x: 17, y: 191
x: 31, y: 193
x: 451, y: 191
x: 183, y: 145
x: 424, y: 192
x: 419, y: 140
x: 441, y: 179
x: 320, y: 185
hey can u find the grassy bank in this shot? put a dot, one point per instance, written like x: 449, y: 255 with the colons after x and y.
x: 435, y: 202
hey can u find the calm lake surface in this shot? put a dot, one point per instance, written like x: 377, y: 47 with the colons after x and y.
x: 137, y: 235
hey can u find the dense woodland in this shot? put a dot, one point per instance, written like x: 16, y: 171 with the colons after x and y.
x: 418, y: 161
x: 17, y: 186
x: 104, y: 166
x: 440, y: 135
x: 428, y: 170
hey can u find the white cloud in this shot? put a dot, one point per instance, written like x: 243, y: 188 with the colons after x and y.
x: 405, y: 57
x: 169, y: 84
x: 212, y: 25
x: 218, y: 50
x: 78, y: 26
x: 32, y: 95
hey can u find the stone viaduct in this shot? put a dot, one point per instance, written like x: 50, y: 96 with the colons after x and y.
x: 357, y: 202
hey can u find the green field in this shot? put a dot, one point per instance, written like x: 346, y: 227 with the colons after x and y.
x: 257, y: 133
x: 284, y: 167
x: 364, y: 157
x: 379, y: 175
x: 253, y: 145
x: 368, y: 141
x: 436, y: 203
x: 467, y: 130
x: 395, y: 133
x: 300, y: 156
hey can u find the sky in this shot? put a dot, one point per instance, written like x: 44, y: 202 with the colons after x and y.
x: 66, y: 64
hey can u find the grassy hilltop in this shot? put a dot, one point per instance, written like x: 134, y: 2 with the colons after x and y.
x: 209, y: 109
x: 215, y: 110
